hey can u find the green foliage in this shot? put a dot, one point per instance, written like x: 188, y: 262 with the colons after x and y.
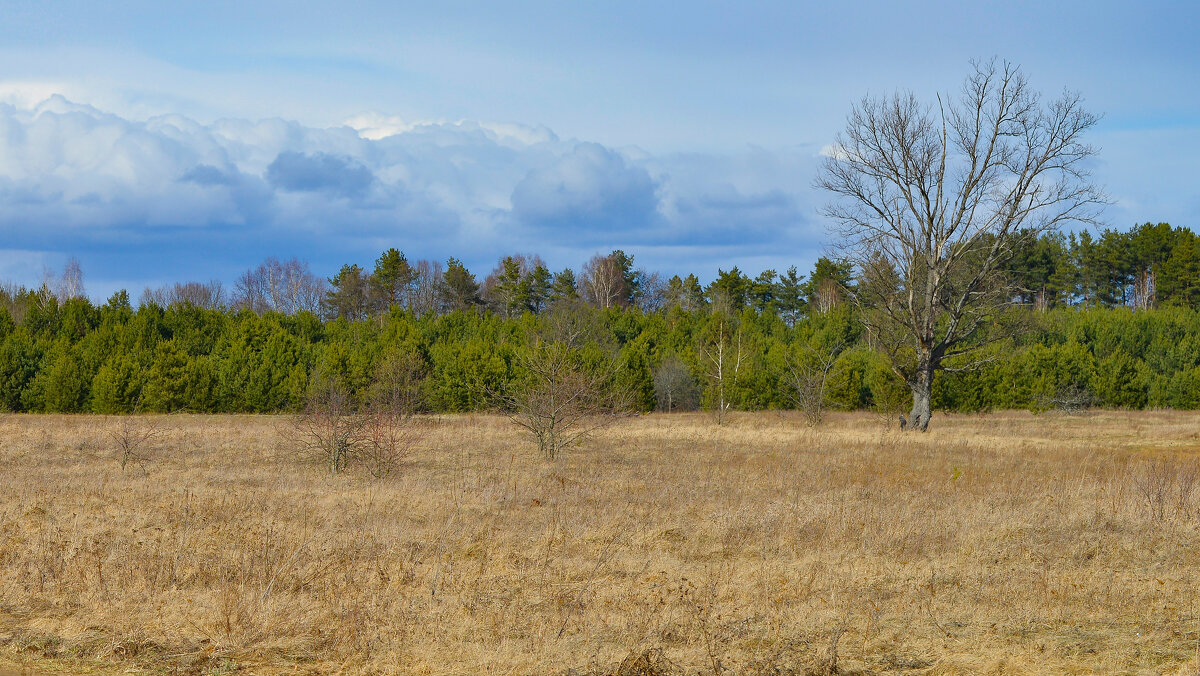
x: 349, y: 294
x: 458, y: 290
x: 166, y: 385
x: 117, y: 387
x: 61, y: 386
x: 19, y: 363
x: 1120, y: 381
x: 73, y: 356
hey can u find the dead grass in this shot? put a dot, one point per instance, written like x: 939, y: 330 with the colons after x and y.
x: 1000, y: 544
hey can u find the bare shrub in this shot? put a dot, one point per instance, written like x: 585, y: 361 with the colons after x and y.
x: 132, y: 437
x: 889, y: 396
x: 1072, y: 399
x: 675, y: 388
x: 328, y: 431
x: 386, y: 439
x: 561, y: 400
x: 389, y: 429
x: 334, y: 431
x: 808, y: 377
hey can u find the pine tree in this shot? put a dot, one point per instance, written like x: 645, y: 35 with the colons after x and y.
x: 391, y: 281
x: 347, y: 299
x: 458, y: 290
x: 564, y: 286
x: 762, y: 291
x: 789, y: 296
x: 510, y: 292
x: 730, y: 290
x: 538, y: 289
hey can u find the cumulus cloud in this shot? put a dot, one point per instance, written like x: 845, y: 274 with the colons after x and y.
x: 76, y: 179
x: 589, y: 189
x: 208, y: 175
x: 319, y: 172
x: 376, y: 126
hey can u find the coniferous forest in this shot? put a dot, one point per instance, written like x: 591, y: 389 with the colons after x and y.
x: 1111, y: 320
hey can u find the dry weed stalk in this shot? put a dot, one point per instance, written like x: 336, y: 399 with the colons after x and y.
x: 1166, y: 485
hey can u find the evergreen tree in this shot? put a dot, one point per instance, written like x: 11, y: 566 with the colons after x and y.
x: 1179, y: 281
x: 165, y: 388
x: 61, y: 387
x: 730, y: 290
x: 564, y: 286
x: 19, y: 361
x: 693, y: 294
x: 632, y: 279
x: 538, y: 288
x: 458, y: 290
x: 391, y: 281
x: 117, y: 387
x: 789, y: 296
x: 509, y: 292
x: 828, y: 284
x: 762, y: 291
x: 348, y: 296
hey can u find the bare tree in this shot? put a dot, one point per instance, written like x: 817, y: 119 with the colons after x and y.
x: 721, y: 352
x: 71, y: 281
x: 654, y: 292
x: 808, y: 375
x: 287, y: 287
x: 603, y: 281
x: 328, y: 431
x: 424, y: 295
x: 930, y: 202
x: 561, y: 397
x: 674, y: 386
x: 377, y: 436
x: 209, y: 295
x: 64, y: 286
x: 561, y: 400
x: 390, y: 429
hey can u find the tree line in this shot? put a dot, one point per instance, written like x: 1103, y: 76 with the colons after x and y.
x: 1127, y: 338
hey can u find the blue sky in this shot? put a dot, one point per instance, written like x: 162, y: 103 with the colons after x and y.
x: 171, y: 141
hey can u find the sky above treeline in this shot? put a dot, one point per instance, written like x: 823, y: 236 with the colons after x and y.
x: 160, y: 142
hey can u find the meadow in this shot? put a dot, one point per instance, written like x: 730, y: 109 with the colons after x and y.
x: 1005, y: 543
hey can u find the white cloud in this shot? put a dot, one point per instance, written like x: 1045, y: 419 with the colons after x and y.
x: 29, y: 93
x: 591, y: 189
x: 75, y: 179
x: 834, y: 151
x: 376, y: 126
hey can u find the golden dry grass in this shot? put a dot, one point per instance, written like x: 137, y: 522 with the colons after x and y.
x: 999, y: 544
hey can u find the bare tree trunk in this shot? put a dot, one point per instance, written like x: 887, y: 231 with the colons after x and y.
x: 922, y: 393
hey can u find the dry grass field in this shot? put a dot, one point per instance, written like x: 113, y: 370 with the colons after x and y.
x: 999, y: 544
